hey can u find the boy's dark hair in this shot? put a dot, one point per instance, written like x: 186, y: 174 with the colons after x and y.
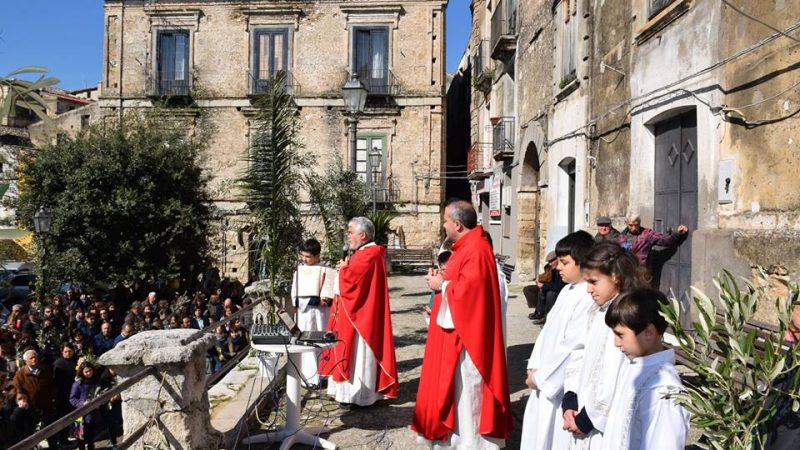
x: 575, y: 245
x: 443, y: 257
x: 638, y: 308
x: 610, y: 259
x: 311, y: 246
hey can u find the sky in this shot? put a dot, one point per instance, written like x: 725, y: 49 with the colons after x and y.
x: 66, y: 36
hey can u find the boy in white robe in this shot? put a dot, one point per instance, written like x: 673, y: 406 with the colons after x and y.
x: 312, y: 293
x: 641, y: 417
x: 542, y: 426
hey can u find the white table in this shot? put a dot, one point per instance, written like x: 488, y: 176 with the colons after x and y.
x: 292, y: 433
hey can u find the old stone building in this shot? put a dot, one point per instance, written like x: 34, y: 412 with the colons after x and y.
x: 217, y: 55
x: 681, y: 112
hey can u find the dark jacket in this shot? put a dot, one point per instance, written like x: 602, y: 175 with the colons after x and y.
x: 555, y: 284
x: 64, y: 376
x: 613, y: 236
x: 23, y: 424
x: 103, y: 344
x: 641, y: 244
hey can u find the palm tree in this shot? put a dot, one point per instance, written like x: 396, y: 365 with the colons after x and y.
x: 272, y: 183
x: 23, y: 93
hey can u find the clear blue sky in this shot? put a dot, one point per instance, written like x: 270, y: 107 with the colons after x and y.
x: 66, y: 36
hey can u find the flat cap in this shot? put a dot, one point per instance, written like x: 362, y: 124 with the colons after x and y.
x: 551, y: 256
x: 603, y: 220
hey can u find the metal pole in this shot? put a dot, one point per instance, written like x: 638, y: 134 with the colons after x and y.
x: 353, y: 131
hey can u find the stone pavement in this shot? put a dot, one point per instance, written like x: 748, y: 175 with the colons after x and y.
x: 386, y: 424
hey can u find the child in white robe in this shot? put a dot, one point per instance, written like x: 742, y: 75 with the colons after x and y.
x: 641, y: 417
x: 312, y: 293
x: 542, y: 425
x: 591, y: 374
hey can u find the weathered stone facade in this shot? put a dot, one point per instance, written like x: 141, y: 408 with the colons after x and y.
x: 406, y: 114
x: 600, y: 85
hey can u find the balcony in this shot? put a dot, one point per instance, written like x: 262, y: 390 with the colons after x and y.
x: 504, y: 30
x: 261, y: 82
x: 479, y: 164
x: 380, y: 82
x: 482, y: 76
x: 169, y: 84
x: 503, y: 138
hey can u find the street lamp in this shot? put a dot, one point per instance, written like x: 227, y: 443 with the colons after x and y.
x: 374, y: 163
x: 355, y: 97
x: 42, y: 220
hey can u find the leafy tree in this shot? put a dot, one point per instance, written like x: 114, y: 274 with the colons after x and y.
x: 272, y: 184
x: 382, y: 220
x: 337, y: 195
x: 128, y: 200
x: 24, y: 94
x: 733, y: 399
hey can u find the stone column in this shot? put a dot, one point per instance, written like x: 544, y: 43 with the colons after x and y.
x: 176, y: 394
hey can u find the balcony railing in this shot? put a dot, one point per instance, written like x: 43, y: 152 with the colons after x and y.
x: 169, y: 84
x: 380, y: 82
x: 503, y: 138
x: 479, y: 164
x: 504, y: 29
x: 261, y: 82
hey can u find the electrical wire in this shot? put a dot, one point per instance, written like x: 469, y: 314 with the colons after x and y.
x: 756, y: 19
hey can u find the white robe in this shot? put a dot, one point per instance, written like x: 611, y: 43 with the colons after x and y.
x: 468, y: 398
x: 362, y: 387
x: 599, y: 365
x: 641, y: 418
x: 562, y: 334
x: 312, y: 318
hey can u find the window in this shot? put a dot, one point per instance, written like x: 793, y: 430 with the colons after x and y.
x: 364, y: 146
x: 371, y: 58
x: 656, y: 6
x: 566, y: 34
x: 172, y: 73
x: 270, y: 56
x: 568, y: 166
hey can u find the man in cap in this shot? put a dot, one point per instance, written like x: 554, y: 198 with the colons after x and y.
x: 548, y: 285
x: 605, y: 232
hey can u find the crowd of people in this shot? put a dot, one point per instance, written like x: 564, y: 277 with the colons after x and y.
x: 49, y: 351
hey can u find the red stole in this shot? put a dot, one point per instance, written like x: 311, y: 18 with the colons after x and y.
x: 362, y: 307
x: 473, y: 296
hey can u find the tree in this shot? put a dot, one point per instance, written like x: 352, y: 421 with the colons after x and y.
x: 337, y: 195
x: 732, y: 401
x: 272, y: 184
x: 24, y: 94
x: 128, y: 199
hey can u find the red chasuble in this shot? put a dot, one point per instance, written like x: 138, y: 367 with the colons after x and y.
x: 473, y: 296
x: 362, y: 307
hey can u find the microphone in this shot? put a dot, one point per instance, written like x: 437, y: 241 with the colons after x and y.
x: 345, y: 250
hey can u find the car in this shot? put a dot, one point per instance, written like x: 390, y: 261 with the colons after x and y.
x: 17, y: 289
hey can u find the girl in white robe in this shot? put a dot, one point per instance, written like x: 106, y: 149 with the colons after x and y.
x: 591, y: 375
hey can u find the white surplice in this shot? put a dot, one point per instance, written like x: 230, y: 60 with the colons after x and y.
x: 501, y: 279
x: 641, y: 418
x: 318, y: 281
x: 468, y: 398
x: 362, y: 387
x: 563, y: 333
x: 599, y: 366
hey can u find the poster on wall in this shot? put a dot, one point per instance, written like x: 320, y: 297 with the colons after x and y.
x: 494, y: 199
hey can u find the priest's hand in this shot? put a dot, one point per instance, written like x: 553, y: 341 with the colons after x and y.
x: 340, y: 264
x: 434, y: 280
x: 530, y: 381
x: 569, y: 421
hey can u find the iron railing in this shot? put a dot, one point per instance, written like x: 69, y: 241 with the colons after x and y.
x: 261, y: 82
x: 504, y: 22
x: 379, y: 82
x: 503, y: 137
x: 478, y: 160
x: 169, y: 84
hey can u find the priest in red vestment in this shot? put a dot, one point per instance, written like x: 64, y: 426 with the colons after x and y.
x: 362, y: 366
x: 464, y: 366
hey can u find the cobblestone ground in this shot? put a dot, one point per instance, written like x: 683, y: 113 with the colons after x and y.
x: 385, y: 425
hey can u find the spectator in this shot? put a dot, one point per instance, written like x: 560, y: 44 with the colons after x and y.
x: 605, y: 232
x: 219, y: 352
x: 199, y: 320
x: 238, y: 340
x: 113, y: 419
x: 640, y: 240
x: 84, y: 389
x: 64, y: 376
x: 49, y: 313
x: 90, y: 326
x: 36, y: 380
x: 152, y: 300
x: 34, y: 323
x: 22, y: 421
x: 214, y: 307
x: 16, y: 319
x: 548, y: 286
x: 134, y: 316
x: 186, y: 322
x: 8, y: 359
x: 127, y: 331
x: 104, y: 341
x: 228, y: 303
x: 82, y: 345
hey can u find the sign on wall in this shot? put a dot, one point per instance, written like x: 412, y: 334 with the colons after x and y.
x: 494, y: 199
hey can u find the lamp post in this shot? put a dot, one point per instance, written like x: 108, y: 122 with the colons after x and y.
x: 355, y: 97
x: 374, y: 163
x: 42, y: 220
